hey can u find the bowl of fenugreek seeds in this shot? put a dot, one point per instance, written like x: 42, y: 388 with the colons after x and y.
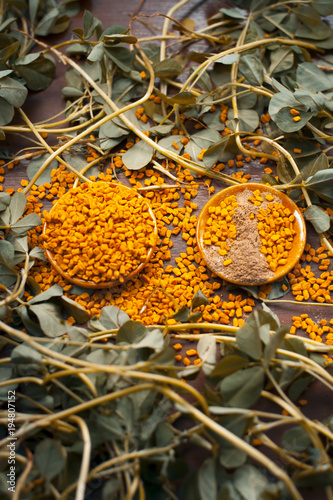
x: 99, y: 234
x: 251, y: 234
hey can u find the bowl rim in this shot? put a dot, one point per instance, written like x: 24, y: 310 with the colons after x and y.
x: 107, y: 284
x: 252, y: 186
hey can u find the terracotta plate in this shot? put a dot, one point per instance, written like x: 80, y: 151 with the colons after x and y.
x: 106, y: 284
x: 299, y: 226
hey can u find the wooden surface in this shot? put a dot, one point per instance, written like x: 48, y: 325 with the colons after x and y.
x: 41, y: 105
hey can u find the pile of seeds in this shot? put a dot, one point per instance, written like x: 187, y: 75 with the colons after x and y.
x: 99, y: 232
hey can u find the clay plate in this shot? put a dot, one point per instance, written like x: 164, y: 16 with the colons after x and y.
x: 299, y: 226
x: 106, y: 284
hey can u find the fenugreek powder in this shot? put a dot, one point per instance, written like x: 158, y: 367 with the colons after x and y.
x: 248, y: 237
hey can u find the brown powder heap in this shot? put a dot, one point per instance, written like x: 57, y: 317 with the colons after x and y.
x: 249, y: 264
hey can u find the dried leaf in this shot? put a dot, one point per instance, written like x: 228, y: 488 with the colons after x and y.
x: 167, y: 68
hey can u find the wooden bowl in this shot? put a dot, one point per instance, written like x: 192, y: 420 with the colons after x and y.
x: 107, y: 284
x: 294, y: 253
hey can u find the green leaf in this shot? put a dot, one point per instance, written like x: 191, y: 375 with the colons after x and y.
x: 314, y: 478
x: 248, y: 340
x: 111, y: 489
x: 281, y: 60
x: 7, y: 276
x: 202, y: 140
x: 34, y: 166
x: 204, y: 81
x: 207, y: 480
x: 161, y: 130
x: 121, y: 56
x: 277, y: 291
x: 213, y: 153
x: 284, y: 99
x: 152, y: 338
x: 212, y: 120
x: 38, y: 72
x: 6, y: 253
x: 49, y: 458
x: 284, y: 120
x: 33, y: 9
x: 321, y: 182
x: 318, y: 218
x: 138, y: 156
x: 79, y: 313
x: 228, y: 365
x: 50, y: 318
x: 298, y: 386
x: 28, y: 222
x: 20, y: 243
x: 45, y: 25
x: 5, y: 217
x: 6, y: 112
x: 314, y: 102
x: 97, y: 53
x: 71, y: 93
x: 294, y: 345
x: 307, y: 148
x: 250, y: 482
x: 182, y: 314
x: 307, y: 15
x: 295, y: 439
x: 130, y: 332
x: 167, y: 143
x: 274, y: 343
x: 53, y: 292
x: 17, y: 207
x: 248, y: 119
x: 24, y: 353
x: 308, y: 75
x: 228, y: 59
x: 231, y: 456
x: 70, y: 7
x: 167, y: 68
x: 251, y: 67
x: 91, y: 25
x: 228, y: 492
x: 243, y: 388
x: 33, y: 286
x: 112, y: 317
x: 314, y: 165
x: 37, y: 253
x: 234, y: 13
x: 4, y: 201
x: 324, y: 7
x: 199, y: 299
